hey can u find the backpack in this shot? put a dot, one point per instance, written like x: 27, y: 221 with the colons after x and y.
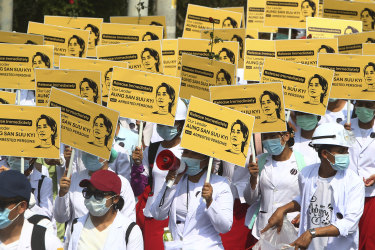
x: 40, y: 182
x: 38, y: 234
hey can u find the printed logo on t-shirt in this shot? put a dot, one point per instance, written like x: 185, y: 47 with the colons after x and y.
x: 320, y: 215
x: 293, y: 171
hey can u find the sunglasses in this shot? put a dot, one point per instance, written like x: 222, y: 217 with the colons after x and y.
x: 99, y: 195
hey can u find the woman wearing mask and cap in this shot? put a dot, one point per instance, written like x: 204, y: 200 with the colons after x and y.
x: 199, y: 211
x: 69, y: 203
x: 273, y: 179
x: 104, y: 227
x: 147, y: 179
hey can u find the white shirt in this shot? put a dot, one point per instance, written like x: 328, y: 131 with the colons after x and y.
x: 91, y: 238
x: 336, y: 117
x: 302, y: 145
x: 45, y: 207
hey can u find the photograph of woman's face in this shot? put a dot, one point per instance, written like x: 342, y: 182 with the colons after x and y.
x: 74, y: 48
x: 148, y: 61
x: 87, y: 92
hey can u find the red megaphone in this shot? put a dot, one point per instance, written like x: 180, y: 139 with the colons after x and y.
x: 166, y: 160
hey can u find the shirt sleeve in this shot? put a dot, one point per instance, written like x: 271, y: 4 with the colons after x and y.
x: 161, y: 212
x: 135, y: 241
x: 62, y: 209
x: 251, y: 195
x: 298, y: 198
x: 52, y: 242
x: 129, y: 201
x: 139, y: 175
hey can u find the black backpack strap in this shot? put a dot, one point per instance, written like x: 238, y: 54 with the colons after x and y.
x: 36, y: 218
x: 128, y: 231
x: 40, y: 182
x: 38, y: 238
x: 152, y: 150
x: 73, y: 222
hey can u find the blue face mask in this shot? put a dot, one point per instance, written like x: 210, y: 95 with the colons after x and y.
x: 166, y: 132
x: 91, y: 162
x: 273, y: 146
x: 341, y: 161
x: 365, y: 115
x: 193, y: 165
x: 332, y: 99
x: 307, y: 122
x: 97, y: 207
x: 4, y: 220
x: 15, y: 163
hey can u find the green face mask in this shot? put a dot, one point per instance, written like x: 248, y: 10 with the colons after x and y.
x: 332, y: 99
x: 307, y: 122
x: 365, y: 115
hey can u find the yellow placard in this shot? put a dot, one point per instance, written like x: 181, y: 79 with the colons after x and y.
x: 368, y: 49
x: 85, y: 125
x: 199, y: 73
x: 290, y: 13
x: 27, y: 131
x: 20, y: 38
x: 144, y: 96
x: 93, y: 25
x: 114, y: 33
x: 255, y: 16
x: 252, y: 33
x: 228, y: 51
x: 239, y: 9
x: 170, y: 49
x: 329, y: 28
x: 354, y: 75
x: 234, y: 35
x: 304, y: 51
x: 352, y: 43
x: 143, y: 20
x: 83, y: 83
x: 264, y: 101
x: 351, y: 10
x: 104, y: 66
x: 306, y: 88
x: 198, y: 18
x: 145, y: 56
x: 7, y: 97
x: 255, y: 52
x: 67, y: 41
x: 18, y: 61
x: 217, y: 131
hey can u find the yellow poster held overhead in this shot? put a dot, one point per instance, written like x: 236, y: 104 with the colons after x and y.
x: 239, y: 9
x: 368, y: 49
x: 145, y: 56
x: 27, y: 131
x: 85, y: 84
x: 170, y: 52
x: 93, y: 25
x: 264, y: 101
x: 144, y: 96
x: 352, y: 43
x: 20, y: 38
x: 255, y: 16
x: 227, y: 51
x: 217, y: 131
x: 290, y: 13
x: 198, y: 18
x: 199, y: 73
x: 234, y: 35
x: 104, y: 66
x: 85, y: 125
x: 67, y: 41
x: 330, y: 28
x: 354, y: 75
x: 304, y: 51
x: 114, y: 33
x: 142, y: 20
x: 18, y: 61
x: 7, y: 97
x: 255, y: 52
x: 306, y: 88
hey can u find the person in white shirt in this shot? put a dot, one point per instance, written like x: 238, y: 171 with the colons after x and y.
x: 104, y: 227
x: 337, y: 111
x: 331, y: 196
x: 199, y: 211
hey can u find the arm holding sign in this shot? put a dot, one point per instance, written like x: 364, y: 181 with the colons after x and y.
x: 139, y: 174
x: 62, y: 208
x: 252, y: 190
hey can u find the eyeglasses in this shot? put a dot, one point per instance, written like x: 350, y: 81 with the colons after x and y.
x: 99, y: 195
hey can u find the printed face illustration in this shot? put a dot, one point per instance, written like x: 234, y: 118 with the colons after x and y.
x: 268, y: 106
x: 306, y: 10
x: 366, y: 19
x: 87, y: 92
x: 38, y: 63
x: 148, y: 61
x: 236, y: 136
x: 92, y: 38
x: 227, y: 24
x: 44, y: 131
x: 220, y: 79
x: 147, y: 38
x: 100, y: 130
x: 315, y: 89
x: 370, y: 75
x: 162, y: 97
x: 108, y: 78
x: 73, y: 47
x: 224, y: 57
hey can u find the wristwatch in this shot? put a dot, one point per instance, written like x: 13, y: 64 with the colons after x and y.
x: 313, y: 232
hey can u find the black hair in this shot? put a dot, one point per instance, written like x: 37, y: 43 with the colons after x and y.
x: 372, y: 15
x: 44, y: 58
x: 312, y: 5
x: 370, y: 40
x: 107, y: 124
x: 354, y: 30
x: 229, y: 53
x: 92, y: 85
x: 170, y: 92
x: 323, y: 83
x: 240, y: 41
x: 275, y: 98
x: 290, y: 130
x: 232, y: 22
x: 156, y: 23
x: 2, y: 101
x: 327, y: 48
x: 81, y: 43
x: 30, y: 42
x: 51, y: 123
x: 120, y: 204
x: 108, y: 71
x: 370, y: 64
x: 227, y: 76
x: 244, y: 130
x: 319, y: 148
x: 155, y: 55
x: 152, y: 35
x: 249, y: 37
x: 95, y: 30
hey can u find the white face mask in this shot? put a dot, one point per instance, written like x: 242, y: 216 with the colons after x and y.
x: 96, y: 207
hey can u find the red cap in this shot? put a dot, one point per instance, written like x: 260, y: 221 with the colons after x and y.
x: 104, y: 180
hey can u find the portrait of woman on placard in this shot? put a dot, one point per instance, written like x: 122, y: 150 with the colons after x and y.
x: 46, y: 129
x: 89, y: 90
x: 369, y: 75
x: 149, y: 36
x: 326, y: 49
x: 3, y: 101
x: 308, y: 9
x: 102, y: 129
x: 150, y: 60
x: 41, y: 60
x: 317, y: 90
x: 350, y: 30
x: 237, y: 38
x: 229, y: 23
x: 270, y: 103
x: 165, y: 99
x: 368, y: 19
x: 239, y: 136
x: 226, y: 55
x: 76, y: 46
x: 223, y: 78
x: 94, y: 35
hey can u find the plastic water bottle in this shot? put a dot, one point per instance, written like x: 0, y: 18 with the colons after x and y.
x: 167, y: 236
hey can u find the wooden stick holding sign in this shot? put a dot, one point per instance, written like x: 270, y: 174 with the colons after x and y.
x: 140, y: 134
x: 252, y: 145
x: 348, y: 113
x: 209, y: 169
x: 18, y: 93
x: 69, y: 174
